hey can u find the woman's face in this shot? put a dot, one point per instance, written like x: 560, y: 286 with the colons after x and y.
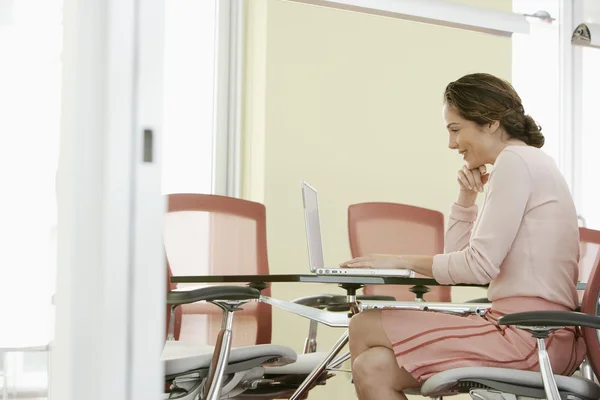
x: 471, y: 141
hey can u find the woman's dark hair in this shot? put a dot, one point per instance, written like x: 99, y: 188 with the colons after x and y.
x: 484, y: 98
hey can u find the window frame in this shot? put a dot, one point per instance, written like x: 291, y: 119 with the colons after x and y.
x: 570, y: 109
x: 229, y: 83
x: 436, y: 12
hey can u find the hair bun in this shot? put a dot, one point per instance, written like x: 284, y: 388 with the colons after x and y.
x: 527, y: 123
x: 533, y: 133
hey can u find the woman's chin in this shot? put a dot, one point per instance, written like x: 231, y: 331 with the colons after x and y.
x: 472, y: 165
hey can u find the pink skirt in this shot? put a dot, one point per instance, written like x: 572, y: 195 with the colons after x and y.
x: 427, y: 342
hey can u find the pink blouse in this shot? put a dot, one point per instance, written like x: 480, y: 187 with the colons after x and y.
x: 526, y: 241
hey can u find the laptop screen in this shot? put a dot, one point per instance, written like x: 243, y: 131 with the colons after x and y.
x: 313, y: 227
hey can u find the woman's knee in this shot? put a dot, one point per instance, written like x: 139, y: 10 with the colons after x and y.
x: 378, y: 367
x: 366, y: 330
x: 372, y: 362
x: 374, y: 365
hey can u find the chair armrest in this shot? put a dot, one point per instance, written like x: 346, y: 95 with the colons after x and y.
x: 340, y: 303
x: 211, y: 293
x: 450, y: 308
x: 540, y: 324
x: 550, y: 319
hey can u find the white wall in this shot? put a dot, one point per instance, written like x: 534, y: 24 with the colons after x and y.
x: 189, y: 96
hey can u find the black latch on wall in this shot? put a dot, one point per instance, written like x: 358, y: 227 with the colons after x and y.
x: 148, y: 145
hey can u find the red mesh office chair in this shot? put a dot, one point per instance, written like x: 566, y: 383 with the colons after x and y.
x: 391, y: 228
x: 495, y: 383
x: 209, y: 234
x: 589, y: 244
x: 590, y: 240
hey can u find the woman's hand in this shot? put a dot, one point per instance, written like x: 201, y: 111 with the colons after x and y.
x: 376, y: 261
x: 472, y: 180
x: 418, y: 264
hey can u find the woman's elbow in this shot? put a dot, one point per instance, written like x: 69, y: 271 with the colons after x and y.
x: 472, y: 274
x: 484, y: 278
x: 482, y: 270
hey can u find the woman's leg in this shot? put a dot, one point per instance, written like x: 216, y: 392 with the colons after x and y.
x: 374, y: 367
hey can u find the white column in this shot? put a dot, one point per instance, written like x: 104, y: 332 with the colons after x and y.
x: 148, y: 268
x: 110, y: 274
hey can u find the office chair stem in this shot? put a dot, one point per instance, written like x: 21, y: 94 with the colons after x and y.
x: 310, y: 344
x: 314, y: 375
x: 171, y: 334
x: 220, y: 360
x: 546, y: 369
x: 587, y: 371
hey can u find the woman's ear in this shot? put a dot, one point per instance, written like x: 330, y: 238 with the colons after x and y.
x: 494, y: 126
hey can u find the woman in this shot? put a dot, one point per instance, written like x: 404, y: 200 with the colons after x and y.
x: 525, y: 244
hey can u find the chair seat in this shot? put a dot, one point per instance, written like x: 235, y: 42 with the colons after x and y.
x: 304, y: 365
x: 181, y: 357
x: 524, y: 383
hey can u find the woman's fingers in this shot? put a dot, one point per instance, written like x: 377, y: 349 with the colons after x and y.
x: 356, y: 261
x: 470, y: 177
x: 360, y: 264
x: 477, y: 178
x: 466, y: 178
x: 473, y: 179
x: 463, y: 182
x: 485, y: 178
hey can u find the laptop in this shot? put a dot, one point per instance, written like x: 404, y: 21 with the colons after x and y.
x: 315, y: 244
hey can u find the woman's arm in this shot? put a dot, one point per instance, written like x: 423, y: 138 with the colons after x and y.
x: 420, y: 264
x: 460, y: 226
x: 479, y: 262
x: 461, y: 220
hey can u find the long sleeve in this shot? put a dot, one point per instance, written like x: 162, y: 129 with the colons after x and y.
x: 460, y: 225
x: 479, y: 262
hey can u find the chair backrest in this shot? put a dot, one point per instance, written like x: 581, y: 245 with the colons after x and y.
x: 589, y: 304
x: 589, y: 245
x: 218, y: 235
x: 392, y: 228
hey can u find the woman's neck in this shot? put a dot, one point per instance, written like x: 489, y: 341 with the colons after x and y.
x: 503, y: 145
